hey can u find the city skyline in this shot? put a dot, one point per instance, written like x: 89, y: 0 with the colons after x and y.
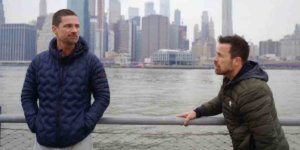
x: 227, y: 18
x: 245, y: 14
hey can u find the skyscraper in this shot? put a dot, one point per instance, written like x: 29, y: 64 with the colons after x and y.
x: 204, y: 45
x: 165, y: 8
x: 205, y: 25
x: 81, y: 8
x: 101, y: 13
x: 196, y: 32
x: 211, y: 35
x: 136, y: 39
x: 149, y: 9
x: 177, y: 17
x: 123, y: 35
x: 92, y: 7
x: 211, y: 28
x: 133, y: 12
x: 43, y: 8
x: 42, y: 14
x: 183, y: 42
x: 105, y: 35
x: 101, y: 28
x: 17, y: 42
x: 94, y: 38
x: 297, y: 29
x: 227, y: 17
x: 114, y: 11
x: 2, y: 18
x: 173, y: 36
x: 155, y: 30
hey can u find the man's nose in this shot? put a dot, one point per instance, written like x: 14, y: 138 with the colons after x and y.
x: 75, y: 29
x: 215, y: 59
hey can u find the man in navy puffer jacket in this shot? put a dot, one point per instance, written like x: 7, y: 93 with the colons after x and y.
x: 56, y: 95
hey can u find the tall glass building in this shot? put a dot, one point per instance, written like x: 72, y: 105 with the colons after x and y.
x: 227, y: 17
x: 17, y: 42
x: 81, y: 8
x: 2, y: 18
x: 165, y: 8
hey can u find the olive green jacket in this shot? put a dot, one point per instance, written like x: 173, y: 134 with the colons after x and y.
x: 249, y: 111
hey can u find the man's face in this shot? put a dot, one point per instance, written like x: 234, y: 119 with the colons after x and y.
x: 67, y: 31
x: 223, y: 62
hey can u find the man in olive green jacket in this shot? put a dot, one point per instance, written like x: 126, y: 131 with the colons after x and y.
x: 245, y: 100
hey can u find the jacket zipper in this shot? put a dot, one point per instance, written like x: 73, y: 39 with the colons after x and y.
x: 59, y: 108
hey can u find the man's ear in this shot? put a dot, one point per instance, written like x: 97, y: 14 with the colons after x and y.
x: 237, y: 61
x: 54, y: 29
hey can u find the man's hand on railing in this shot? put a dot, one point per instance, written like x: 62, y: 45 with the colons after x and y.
x: 190, y: 115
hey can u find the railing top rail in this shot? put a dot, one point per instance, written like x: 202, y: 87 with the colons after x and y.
x: 285, y: 121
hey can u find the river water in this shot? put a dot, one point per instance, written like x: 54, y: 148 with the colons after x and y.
x: 156, y: 93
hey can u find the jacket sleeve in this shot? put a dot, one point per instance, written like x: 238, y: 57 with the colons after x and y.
x: 101, y: 94
x: 258, y: 111
x: 210, y: 108
x: 29, y: 97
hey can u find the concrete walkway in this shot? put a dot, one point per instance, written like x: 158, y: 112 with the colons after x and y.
x: 146, y: 137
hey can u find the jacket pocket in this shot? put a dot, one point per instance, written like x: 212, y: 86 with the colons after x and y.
x: 88, y: 123
x: 31, y: 122
x: 38, y: 124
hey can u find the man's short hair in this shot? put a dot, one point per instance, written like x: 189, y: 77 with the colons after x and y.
x: 56, y: 20
x: 239, y: 46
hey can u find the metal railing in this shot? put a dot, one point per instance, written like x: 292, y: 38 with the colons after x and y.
x: 122, y: 139
x: 285, y: 121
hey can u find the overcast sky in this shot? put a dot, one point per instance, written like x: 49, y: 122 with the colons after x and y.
x: 256, y: 20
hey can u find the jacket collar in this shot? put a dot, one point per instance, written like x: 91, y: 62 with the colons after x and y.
x: 80, y: 48
x: 249, y: 70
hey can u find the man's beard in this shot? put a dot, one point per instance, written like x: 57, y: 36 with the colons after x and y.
x: 226, y: 72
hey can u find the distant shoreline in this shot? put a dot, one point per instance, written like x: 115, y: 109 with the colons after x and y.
x: 264, y: 66
x: 205, y: 68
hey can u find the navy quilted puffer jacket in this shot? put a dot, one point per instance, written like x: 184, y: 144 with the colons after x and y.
x: 56, y: 95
